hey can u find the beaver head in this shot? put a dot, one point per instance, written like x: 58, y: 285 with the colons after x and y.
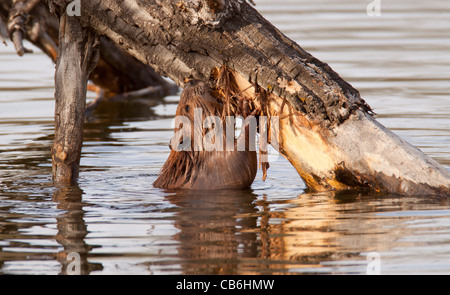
x: 196, y: 168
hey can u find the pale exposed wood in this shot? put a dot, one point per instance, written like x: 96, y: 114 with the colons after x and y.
x: 359, y: 153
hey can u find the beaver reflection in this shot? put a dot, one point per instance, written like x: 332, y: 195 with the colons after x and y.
x: 200, y: 169
x: 216, y: 235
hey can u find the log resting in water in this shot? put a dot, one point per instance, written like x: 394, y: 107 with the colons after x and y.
x: 327, y: 131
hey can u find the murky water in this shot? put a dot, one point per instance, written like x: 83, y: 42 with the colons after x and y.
x: 119, y: 224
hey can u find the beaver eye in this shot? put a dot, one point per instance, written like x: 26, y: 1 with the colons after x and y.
x: 187, y: 108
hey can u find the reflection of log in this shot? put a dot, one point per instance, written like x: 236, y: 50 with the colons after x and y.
x: 327, y: 131
x: 72, y: 231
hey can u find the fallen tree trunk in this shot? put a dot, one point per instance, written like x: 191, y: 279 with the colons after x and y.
x: 326, y: 129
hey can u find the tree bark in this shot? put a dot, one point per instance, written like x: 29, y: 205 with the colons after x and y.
x: 117, y: 72
x: 77, y: 57
x: 326, y: 129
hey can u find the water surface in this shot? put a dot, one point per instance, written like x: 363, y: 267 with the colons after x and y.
x: 120, y: 224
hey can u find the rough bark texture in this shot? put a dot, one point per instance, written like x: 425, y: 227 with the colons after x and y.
x: 117, y: 72
x: 323, y: 119
x: 76, y: 58
x: 189, y: 39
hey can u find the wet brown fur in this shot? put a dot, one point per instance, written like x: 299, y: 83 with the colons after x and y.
x: 206, y: 170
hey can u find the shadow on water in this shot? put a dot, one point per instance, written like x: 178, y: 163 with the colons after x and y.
x: 118, y: 113
x: 135, y: 109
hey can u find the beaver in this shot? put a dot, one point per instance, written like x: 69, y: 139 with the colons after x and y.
x: 197, y: 168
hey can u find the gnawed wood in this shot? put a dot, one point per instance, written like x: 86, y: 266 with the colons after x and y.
x: 360, y: 153
x: 382, y: 160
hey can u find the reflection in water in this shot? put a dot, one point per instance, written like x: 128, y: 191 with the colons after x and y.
x: 224, y: 232
x: 72, y: 230
x: 213, y: 236
x: 239, y: 232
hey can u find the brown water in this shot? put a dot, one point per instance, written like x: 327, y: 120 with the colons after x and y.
x: 120, y: 224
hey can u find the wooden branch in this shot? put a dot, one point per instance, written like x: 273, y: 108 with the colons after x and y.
x: 77, y: 57
x: 237, y: 36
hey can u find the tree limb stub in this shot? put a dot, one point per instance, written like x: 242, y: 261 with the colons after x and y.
x: 16, y: 25
x: 326, y: 118
x: 77, y: 57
